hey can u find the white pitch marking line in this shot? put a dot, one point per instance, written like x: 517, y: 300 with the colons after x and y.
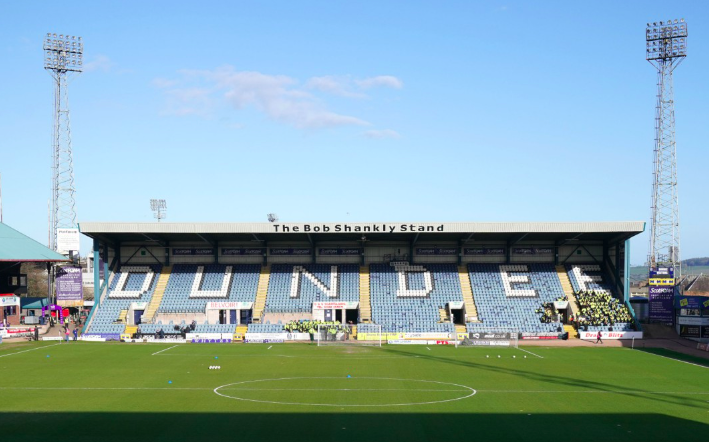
x: 428, y: 349
x: 31, y: 349
x: 344, y: 389
x: 269, y: 347
x: 596, y: 392
x: 164, y: 349
x: 103, y: 388
x: 694, y: 393
x: 526, y: 351
x: 678, y: 360
x: 468, y: 389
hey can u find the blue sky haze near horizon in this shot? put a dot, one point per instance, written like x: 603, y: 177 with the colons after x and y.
x: 354, y: 111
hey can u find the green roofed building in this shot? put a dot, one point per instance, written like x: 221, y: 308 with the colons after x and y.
x: 15, y: 249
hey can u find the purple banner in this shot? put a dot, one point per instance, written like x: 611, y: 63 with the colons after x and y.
x: 68, y: 283
x: 189, y: 252
x: 231, y: 251
x: 661, y: 304
x: 483, y: 251
x: 339, y: 251
x: 279, y: 251
x: 533, y: 251
x: 668, y: 272
x: 436, y: 251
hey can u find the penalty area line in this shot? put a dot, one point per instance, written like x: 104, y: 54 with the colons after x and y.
x: 31, y: 349
x: 164, y: 349
x: 674, y: 359
x: 527, y: 351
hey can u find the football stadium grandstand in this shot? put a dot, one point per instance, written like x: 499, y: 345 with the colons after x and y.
x: 540, y: 280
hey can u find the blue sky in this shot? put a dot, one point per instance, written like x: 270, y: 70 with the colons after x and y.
x: 354, y: 111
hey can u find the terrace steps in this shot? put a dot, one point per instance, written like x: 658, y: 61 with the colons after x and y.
x: 131, y: 329
x: 568, y: 288
x: 471, y: 311
x: 158, y: 294
x: 444, y: 315
x: 365, y: 302
x: 571, y: 331
x: 261, y: 293
x: 240, y: 332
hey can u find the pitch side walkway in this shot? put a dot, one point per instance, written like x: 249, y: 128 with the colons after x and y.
x: 679, y: 345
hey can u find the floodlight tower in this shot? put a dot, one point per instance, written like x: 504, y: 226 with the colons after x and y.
x: 666, y: 48
x: 63, y: 58
x: 272, y: 217
x: 159, y: 207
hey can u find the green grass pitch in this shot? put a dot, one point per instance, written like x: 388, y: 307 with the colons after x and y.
x: 297, y: 392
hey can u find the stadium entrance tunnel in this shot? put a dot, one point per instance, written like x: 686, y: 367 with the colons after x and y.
x: 345, y: 391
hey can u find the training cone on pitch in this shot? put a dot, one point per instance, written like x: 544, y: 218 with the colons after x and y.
x: 349, y: 376
x: 169, y: 382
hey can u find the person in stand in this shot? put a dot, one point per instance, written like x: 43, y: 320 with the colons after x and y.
x: 598, y: 337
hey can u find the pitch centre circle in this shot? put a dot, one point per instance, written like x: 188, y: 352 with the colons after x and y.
x: 345, y: 392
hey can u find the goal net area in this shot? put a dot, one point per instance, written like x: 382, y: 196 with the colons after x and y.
x: 343, y: 334
x: 505, y: 337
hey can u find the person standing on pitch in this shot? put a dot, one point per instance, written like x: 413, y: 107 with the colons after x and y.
x: 598, y: 337
x: 75, y: 334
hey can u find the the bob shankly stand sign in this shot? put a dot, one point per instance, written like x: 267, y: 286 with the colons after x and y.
x: 359, y: 227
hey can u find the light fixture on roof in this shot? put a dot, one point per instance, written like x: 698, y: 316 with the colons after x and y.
x: 159, y: 208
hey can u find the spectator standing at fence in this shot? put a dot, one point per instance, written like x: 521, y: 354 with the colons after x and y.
x: 66, y: 334
x: 76, y: 333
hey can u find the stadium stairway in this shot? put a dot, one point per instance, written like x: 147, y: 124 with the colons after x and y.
x: 365, y: 303
x: 155, y: 301
x: 568, y: 289
x: 444, y: 315
x: 470, y: 308
x: 461, y: 329
x: 123, y: 316
x: 240, y: 332
x: 131, y: 329
x: 568, y: 328
x: 261, y: 292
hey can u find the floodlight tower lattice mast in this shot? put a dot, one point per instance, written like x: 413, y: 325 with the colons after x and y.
x: 63, y: 58
x: 159, y: 208
x: 666, y: 48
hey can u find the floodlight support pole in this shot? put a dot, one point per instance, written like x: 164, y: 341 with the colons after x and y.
x: 63, y: 57
x: 666, y: 49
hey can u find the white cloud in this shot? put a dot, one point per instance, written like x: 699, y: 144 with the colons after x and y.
x: 334, y: 85
x: 380, y: 81
x: 384, y: 133
x: 99, y: 63
x: 277, y: 96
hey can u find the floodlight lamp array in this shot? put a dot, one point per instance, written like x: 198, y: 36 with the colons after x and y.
x: 666, y: 40
x: 158, y: 204
x: 63, y: 52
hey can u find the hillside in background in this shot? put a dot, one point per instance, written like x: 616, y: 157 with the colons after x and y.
x: 692, y: 266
